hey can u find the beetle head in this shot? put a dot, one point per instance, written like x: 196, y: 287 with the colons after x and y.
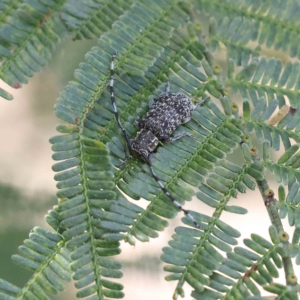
x: 144, y: 143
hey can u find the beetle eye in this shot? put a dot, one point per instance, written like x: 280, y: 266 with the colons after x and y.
x: 144, y: 153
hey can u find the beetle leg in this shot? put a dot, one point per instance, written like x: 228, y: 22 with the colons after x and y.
x: 200, y: 103
x: 163, y: 94
x: 178, y: 136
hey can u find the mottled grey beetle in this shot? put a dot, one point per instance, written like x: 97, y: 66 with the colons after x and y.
x: 167, y: 112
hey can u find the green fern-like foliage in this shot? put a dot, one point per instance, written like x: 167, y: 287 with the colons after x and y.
x: 158, y: 42
x: 28, y: 35
x: 46, y: 255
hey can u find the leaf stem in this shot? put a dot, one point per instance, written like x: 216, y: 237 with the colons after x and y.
x: 270, y: 204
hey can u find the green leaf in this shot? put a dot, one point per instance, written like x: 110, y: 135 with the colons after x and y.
x: 291, y: 151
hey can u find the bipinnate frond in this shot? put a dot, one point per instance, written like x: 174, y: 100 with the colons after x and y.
x: 30, y: 31
x: 92, y: 213
x: 89, y: 19
x: 28, y: 35
x: 97, y: 121
x: 274, y: 23
x: 156, y: 42
x: 85, y: 191
x: 195, y: 254
x: 233, y: 34
x: 238, y: 275
x: 267, y: 78
x: 272, y: 128
x: 45, y: 254
x: 200, y: 162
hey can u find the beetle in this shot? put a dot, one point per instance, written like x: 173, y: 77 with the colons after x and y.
x: 167, y: 112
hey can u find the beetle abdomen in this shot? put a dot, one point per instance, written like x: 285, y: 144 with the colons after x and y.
x: 166, y: 115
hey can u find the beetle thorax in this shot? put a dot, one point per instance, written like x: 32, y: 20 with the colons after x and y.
x: 144, y: 143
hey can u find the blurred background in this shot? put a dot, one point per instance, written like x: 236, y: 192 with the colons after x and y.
x: 27, y: 188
